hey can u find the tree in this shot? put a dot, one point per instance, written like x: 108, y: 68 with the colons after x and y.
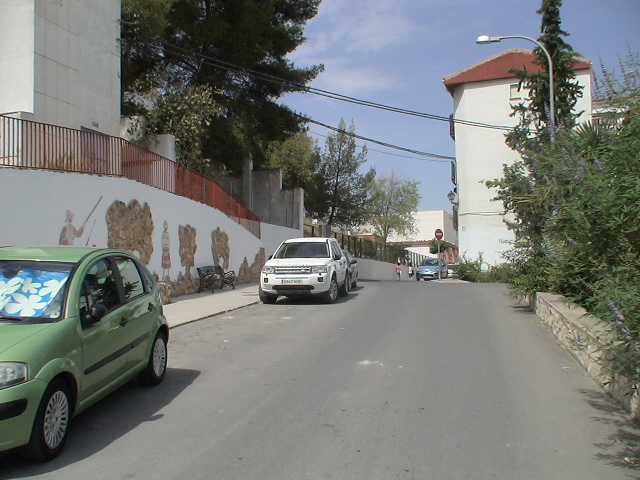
x: 393, y: 203
x: 298, y: 157
x: 339, y: 193
x: 185, y: 111
x: 523, y: 178
x: 534, y: 115
x: 235, y: 48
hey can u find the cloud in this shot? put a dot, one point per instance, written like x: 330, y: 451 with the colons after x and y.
x: 350, y: 38
x: 355, y: 27
x: 355, y: 80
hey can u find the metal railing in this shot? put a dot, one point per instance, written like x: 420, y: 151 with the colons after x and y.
x: 360, y: 247
x: 34, y: 145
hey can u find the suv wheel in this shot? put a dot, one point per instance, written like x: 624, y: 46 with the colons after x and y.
x: 331, y: 295
x: 266, y: 297
x: 344, y: 289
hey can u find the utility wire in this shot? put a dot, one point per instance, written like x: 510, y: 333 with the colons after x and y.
x: 306, y: 119
x: 412, y: 157
x: 295, y: 87
x: 359, y: 137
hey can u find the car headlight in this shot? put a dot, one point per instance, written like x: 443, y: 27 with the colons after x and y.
x: 13, y: 373
x: 320, y: 269
x: 268, y: 270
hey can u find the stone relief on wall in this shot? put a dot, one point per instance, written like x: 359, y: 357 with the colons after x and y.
x: 251, y: 273
x: 185, y: 283
x: 131, y: 228
x: 188, y: 247
x: 220, y: 248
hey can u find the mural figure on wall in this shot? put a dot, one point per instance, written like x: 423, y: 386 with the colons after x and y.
x: 166, y: 253
x: 69, y: 233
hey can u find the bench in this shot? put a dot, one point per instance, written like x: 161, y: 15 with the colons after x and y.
x: 212, y: 276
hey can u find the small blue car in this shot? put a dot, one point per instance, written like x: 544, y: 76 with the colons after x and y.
x: 429, y: 267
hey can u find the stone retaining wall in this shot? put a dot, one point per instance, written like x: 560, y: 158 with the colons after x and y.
x: 584, y: 336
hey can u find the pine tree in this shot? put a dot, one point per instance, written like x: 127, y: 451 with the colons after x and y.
x: 535, y: 113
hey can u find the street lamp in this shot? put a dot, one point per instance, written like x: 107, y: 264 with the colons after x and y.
x: 452, y: 197
x: 484, y: 39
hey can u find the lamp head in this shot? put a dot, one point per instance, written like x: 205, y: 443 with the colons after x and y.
x: 484, y: 39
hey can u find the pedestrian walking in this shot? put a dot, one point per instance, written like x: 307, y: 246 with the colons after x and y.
x: 398, y: 270
x: 410, y: 272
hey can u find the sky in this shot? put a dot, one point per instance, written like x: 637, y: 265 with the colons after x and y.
x: 397, y: 52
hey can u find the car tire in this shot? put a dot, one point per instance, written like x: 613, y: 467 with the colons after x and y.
x: 331, y: 295
x: 354, y: 283
x: 51, y: 425
x: 157, y: 365
x: 266, y: 297
x: 343, y: 291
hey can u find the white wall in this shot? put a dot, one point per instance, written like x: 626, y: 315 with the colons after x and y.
x: 36, y: 204
x: 61, y: 62
x: 16, y: 61
x: 426, y: 222
x: 481, y: 154
x: 273, y: 235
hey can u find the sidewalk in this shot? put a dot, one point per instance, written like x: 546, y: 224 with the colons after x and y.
x: 189, y: 308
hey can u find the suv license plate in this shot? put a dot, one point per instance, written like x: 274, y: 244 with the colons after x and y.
x: 287, y: 281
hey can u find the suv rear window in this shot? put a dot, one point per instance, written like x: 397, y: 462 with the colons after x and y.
x: 302, y: 250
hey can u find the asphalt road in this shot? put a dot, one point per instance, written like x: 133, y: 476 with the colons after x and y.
x: 401, y: 380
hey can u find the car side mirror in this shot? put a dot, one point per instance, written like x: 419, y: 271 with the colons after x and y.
x: 94, y: 315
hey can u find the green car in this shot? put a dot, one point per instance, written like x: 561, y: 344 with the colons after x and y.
x: 75, y: 324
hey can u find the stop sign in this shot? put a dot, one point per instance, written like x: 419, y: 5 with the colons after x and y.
x: 439, y: 234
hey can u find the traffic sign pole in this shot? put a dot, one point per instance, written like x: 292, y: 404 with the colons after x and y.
x: 439, y: 234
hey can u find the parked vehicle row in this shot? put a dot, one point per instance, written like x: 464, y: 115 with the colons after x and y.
x: 308, y: 266
x: 75, y: 324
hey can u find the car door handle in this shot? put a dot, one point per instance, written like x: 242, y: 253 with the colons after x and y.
x: 150, y: 307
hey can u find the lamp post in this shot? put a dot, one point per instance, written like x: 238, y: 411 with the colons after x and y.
x: 484, y: 39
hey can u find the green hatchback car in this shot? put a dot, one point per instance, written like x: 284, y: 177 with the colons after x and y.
x: 75, y: 324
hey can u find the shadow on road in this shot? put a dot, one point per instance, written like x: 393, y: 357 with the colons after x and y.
x: 106, y: 421
x: 622, y: 448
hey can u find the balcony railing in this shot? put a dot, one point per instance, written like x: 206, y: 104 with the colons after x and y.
x: 27, y: 144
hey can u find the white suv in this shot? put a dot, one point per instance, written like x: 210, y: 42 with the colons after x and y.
x: 305, y: 266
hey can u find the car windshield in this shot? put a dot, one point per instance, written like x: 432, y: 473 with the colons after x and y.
x: 430, y: 262
x: 302, y: 250
x: 31, y: 289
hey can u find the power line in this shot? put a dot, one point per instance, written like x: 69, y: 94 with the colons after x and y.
x: 412, y: 157
x: 377, y: 142
x: 181, y: 52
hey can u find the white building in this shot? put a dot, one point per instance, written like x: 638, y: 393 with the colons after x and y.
x: 426, y: 223
x: 484, y: 93
x: 61, y: 63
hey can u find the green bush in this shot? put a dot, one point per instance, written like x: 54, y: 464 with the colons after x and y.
x: 475, y: 271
